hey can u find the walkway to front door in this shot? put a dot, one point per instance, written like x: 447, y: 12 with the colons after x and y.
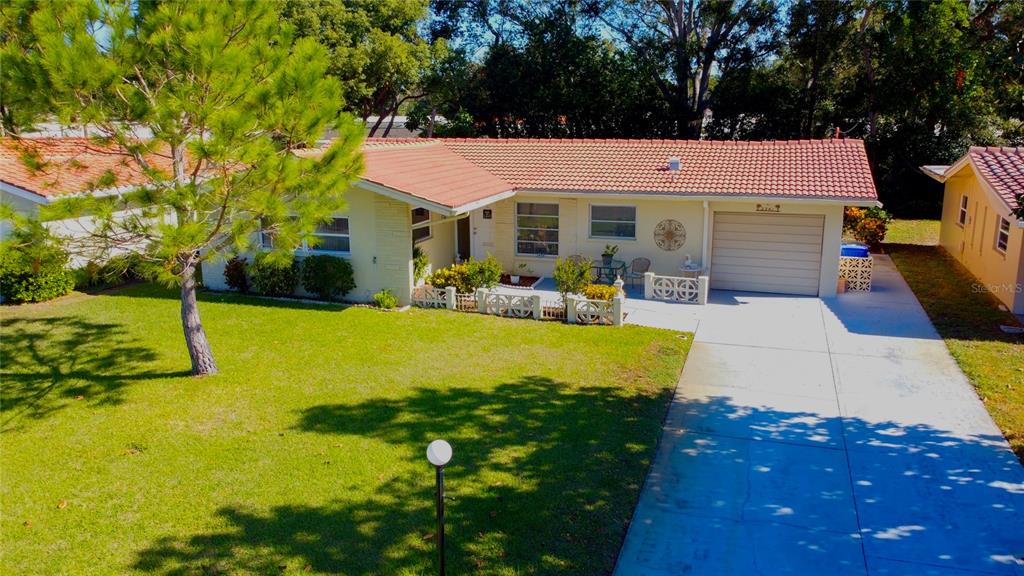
x: 826, y: 436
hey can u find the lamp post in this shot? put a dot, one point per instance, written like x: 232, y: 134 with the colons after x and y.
x: 439, y: 453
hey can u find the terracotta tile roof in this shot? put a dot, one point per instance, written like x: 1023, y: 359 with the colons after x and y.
x: 69, y: 165
x: 456, y: 172
x: 1002, y: 169
x: 429, y: 170
x: 824, y: 169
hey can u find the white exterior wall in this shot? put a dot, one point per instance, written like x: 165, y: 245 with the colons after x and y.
x: 20, y: 205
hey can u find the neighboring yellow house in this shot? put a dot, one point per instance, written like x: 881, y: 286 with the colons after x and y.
x: 978, y: 228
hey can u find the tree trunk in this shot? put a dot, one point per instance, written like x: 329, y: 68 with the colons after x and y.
x: 391, y: 122
x: 195, y: 337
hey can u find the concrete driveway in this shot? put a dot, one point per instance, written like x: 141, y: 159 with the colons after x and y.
x: 826, y: 436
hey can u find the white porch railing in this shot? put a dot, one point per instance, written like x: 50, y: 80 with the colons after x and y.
x: 676, y: 288
x: 584, y: 311
x: 426, y: 296
x: 574, y: 310
x: 509, y: 305
x: 857, y: 272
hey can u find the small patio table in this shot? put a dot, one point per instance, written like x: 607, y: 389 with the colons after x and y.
x: 608, y: 272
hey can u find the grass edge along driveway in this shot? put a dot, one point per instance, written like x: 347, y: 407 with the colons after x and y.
x: 968, y: 318
x: 306, y: 454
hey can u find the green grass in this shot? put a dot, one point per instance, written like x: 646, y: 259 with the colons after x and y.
x: 924, y: 232
x: 307, y: 453
x: 968, y: 319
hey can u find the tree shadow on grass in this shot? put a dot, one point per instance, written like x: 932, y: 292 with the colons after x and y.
x: 543, y: 480
x: 49, y: 363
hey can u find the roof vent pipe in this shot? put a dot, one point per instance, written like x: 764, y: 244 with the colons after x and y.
x: 673, y: 164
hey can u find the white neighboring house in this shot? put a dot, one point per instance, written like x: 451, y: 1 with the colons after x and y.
x: 36, y: 171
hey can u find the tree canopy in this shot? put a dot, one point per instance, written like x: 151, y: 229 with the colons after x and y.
x: 920, y: 81
x: 214, y: 103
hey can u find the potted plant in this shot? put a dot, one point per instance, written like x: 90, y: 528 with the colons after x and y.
x: 521, y: 269
x: 609, y: 254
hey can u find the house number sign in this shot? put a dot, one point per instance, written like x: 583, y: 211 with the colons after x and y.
x: 768, y: 208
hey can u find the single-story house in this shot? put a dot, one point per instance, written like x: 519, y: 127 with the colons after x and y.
x: 757, y: 216
x: 36, y: 171
x: 978, y: 226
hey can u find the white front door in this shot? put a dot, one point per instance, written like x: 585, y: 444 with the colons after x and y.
x: 482, y: 223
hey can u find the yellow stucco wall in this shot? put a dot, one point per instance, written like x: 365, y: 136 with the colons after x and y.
x: 440, y: 247
x: 974, y: 244
x: 381, y: 240
x: 574, y: 232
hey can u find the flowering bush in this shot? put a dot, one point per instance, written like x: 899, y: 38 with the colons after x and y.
x: 469, y: 276
x: 867, y: 225
x: 599, y: 292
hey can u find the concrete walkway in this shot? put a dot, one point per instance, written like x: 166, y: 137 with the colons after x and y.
x: 826, y: 436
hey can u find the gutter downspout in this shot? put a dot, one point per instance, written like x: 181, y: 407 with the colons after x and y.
x: 704, y: 244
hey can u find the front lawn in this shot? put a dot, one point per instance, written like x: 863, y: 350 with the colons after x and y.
x: 968, y: 319
x: 307, y: 453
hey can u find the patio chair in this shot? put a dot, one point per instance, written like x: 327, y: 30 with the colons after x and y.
x: 637, y: 268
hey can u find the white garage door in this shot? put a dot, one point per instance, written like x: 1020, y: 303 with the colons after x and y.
x: 767, y: 252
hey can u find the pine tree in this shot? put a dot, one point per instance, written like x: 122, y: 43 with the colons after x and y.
x: 214, y: 103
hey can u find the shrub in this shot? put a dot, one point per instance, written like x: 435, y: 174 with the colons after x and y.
x: 385, y: 299
x: 29, y: 287
x: 236, y: 274
x: 420, y: 261
x: 329, y: 277
x: 599, y: 292
x: 455, y: 275
x: 469, y: 276
x: 867, y: 225
x: 484, y: 273
x: 32, y: 262
x: 571, y: 276
x: 271, y: 278
x: 124, y: 268
x: 88, y: 276
x: 120, y: 269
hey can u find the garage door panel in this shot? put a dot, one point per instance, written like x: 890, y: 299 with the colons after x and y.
x: 776, y: 274
x: 772, y: 239
x: 813, y: 233
x: 767, y: 253
x: 748, y: 285
x: 746, y: 261
x: 776, y: 219
x: 769, y: 248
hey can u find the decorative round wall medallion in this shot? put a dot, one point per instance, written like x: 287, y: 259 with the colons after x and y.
x: 670, y: 235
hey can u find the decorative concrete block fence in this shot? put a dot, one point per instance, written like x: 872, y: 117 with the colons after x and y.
x: 857, y: 272
x: 676, y: 288
x: 576, y: 309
